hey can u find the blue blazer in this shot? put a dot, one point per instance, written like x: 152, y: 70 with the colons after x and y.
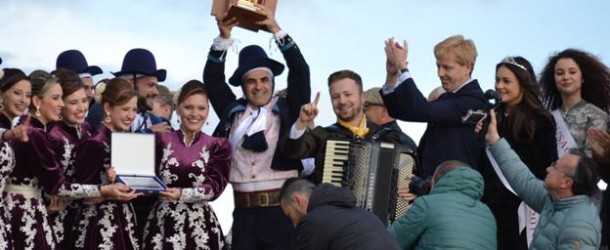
x: 446, y: 136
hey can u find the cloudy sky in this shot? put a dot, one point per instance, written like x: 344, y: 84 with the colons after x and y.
x: 333, y: 35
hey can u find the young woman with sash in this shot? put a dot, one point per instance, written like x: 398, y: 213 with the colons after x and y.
x: 577, y: 91
x: 530, y: 130
x: 105, y: 224
x: 195, y: 167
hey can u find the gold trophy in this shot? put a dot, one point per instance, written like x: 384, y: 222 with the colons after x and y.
x: 244, y: 11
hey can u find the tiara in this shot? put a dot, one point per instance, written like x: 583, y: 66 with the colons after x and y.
x: 511, y: 60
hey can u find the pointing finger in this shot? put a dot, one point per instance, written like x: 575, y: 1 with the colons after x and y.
x: 317, y: 98
x: 26, y: 122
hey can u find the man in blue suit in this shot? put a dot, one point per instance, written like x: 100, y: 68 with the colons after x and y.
x: 446, y: 137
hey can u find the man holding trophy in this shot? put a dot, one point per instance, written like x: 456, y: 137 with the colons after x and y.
x: 254, y: 125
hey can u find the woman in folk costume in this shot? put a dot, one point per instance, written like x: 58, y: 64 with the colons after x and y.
x: 105, y: 224
x: 65, y: 135
x: 530, y: 130
x: 15, y: 92
x: 37, y: 170
x: 195, y: 167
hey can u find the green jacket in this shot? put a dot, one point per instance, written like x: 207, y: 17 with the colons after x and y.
x: 565, y: 223
x: 452, y: 216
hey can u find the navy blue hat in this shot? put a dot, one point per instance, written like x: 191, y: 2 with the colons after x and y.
x: 251, y: 57
x: 75, y: 60
x: 141, y: 61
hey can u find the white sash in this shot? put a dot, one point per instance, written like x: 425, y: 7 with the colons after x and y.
x: 528, y: 218
x: 565, y: 141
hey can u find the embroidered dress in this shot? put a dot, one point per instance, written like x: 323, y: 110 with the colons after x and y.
x: 64, y: 139
x: 37, y: 170
x: 582, y: 116
x: 201, y: 170
x: 109, y: 224
x: 7, y: 163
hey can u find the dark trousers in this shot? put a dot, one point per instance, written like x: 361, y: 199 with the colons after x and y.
x: 264, y: 228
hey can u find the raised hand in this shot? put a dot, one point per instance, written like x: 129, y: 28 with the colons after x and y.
x: 492, y: 135
x: 225, y: 25
x: 396, y: 55
x: 308, y: 113
x: 270, y: 23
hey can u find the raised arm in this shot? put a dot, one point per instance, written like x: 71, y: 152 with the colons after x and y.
x: 220, y: 93
x: 299, y: 80
x: 405, y: 101
x: 526, y: 185
x: 301, y: 143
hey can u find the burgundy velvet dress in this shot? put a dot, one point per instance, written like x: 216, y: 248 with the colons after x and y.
x: 108, y: 224
x: 7, y: 163
x: 201, y: 170
x: 64, y: 139
x: 37, y: 171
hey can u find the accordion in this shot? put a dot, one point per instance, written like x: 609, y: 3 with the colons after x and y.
x: 373, y: 171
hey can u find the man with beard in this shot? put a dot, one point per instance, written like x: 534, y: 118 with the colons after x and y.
x: 140, y: 68
x: 446, y: 137
x: 347, y: 97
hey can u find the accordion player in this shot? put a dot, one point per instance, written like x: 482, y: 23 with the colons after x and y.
x: 373, y: 171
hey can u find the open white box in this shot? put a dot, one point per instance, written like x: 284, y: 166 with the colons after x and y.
x: 133, y: 158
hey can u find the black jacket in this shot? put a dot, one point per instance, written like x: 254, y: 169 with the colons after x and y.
x: 332, y: 222
x: 313, y: 143
x: 226, y: 105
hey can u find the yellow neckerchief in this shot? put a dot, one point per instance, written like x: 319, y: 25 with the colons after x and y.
x: 361, y: 130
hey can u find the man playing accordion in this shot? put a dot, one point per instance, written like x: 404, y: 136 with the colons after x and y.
x: 340, y: 147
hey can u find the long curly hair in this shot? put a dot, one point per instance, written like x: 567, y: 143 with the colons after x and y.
x: 596, y: 80
x: 523, y: 115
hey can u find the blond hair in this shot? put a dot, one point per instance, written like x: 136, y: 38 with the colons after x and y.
x: 464, y: 50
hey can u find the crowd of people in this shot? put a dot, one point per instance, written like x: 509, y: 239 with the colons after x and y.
x: 523, y: 176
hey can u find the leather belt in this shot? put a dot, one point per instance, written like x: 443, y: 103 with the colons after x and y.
x: 263, y: 198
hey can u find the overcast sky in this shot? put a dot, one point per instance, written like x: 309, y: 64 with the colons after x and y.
x: 332, y: 34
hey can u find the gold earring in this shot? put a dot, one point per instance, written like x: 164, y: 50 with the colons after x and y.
x: 37, y: 111
x: 108, y: 119
x: 1, y: 105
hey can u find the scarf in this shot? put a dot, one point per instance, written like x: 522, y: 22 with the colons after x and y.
x: 361, y: 130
